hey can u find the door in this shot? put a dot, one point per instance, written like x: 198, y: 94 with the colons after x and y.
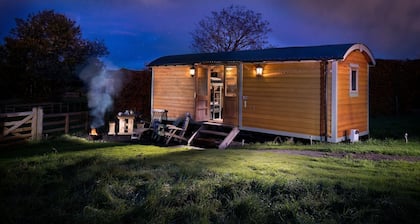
x: 202, y: 95
x: 230, y: 108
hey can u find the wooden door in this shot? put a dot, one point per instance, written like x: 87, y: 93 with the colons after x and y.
x: 202, y: 97
x: 230, y: 107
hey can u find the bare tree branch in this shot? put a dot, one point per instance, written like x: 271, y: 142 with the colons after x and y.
x: 232, y: 29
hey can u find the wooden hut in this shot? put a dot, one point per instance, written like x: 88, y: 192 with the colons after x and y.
x: 314, y: 92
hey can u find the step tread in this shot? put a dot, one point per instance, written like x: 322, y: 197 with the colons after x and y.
x: 224, y: 134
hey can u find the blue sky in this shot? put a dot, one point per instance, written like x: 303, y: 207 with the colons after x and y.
x: 138, y: 31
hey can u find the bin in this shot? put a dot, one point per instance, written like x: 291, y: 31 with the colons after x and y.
x: 354, y: 135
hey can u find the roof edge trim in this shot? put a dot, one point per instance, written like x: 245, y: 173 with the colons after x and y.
x: 362, y: 48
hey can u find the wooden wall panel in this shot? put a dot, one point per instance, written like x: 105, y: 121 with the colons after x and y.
x: 352, y: 110
x: 286, y: 98
x: 173, y: 90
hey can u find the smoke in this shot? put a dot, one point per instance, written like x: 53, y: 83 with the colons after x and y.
x: 102, y: 85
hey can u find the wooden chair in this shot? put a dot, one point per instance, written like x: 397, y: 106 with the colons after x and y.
x: 177, y: 133
x: 158, y: 115
x: 139, y: 130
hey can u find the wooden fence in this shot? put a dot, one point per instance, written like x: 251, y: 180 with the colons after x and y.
x: 34, y: 125
x: 49, y: 107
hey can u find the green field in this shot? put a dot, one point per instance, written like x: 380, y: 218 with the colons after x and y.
x: 71, y: 180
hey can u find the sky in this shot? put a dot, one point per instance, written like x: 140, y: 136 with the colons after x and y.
x: 139, y: 31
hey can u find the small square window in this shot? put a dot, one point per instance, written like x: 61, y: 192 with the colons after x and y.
x: 354, y: 81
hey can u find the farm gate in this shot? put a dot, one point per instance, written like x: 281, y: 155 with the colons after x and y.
x: 34, y: 125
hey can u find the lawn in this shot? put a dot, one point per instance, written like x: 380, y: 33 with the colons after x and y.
x: 71, y: 180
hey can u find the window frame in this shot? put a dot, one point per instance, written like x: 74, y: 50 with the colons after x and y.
x: 354, y: 86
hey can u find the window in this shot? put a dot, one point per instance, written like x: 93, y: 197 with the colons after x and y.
x: 231, y: 81
x: 354, y: 80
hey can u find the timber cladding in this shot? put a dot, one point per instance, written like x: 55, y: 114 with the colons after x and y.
x: 173, y: 90
x: 286, y: 97
x: 352, y: 109
x: 314, y: 92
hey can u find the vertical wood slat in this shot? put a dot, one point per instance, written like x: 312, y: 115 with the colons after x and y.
x: 38, y: 116
x: 33, y: 123
x: 323, y: 126
x: 67, y: 124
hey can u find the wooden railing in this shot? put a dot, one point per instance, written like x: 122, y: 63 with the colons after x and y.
x: 48, y: 108
x: 34, y: 125
x: 65, y: 122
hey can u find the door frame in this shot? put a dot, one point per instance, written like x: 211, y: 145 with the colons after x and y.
x: 202, y: 101
x: 234, y: 118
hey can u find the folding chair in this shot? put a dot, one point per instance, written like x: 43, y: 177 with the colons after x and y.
x: 177, y: 133
x: 158, y: 115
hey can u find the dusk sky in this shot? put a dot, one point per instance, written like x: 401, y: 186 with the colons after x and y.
x: 138, y: 31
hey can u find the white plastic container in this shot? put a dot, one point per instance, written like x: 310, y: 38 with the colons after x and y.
x: 354, y: 135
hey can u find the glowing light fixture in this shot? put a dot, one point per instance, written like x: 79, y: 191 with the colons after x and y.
x: 259, y: 70
x: 192, y: 71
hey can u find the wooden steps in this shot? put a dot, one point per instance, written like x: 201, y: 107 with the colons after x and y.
x: 214, y: 135
x: 214, y: 132
x: 232, y: 134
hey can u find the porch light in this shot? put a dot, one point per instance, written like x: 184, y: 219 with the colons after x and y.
x: 192, y: 71
x: 259, y: 70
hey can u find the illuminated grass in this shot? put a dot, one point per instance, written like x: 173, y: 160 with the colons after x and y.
x: 387, y: 147
x: 85, y: 182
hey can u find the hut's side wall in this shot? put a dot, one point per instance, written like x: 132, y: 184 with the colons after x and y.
x: 352, y: 112
x: 285, y: 99
x: 173, y: 90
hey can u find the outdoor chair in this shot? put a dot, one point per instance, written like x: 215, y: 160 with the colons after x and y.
x: 175, y: 132
x: 139, y: 130
x: 158, y: 115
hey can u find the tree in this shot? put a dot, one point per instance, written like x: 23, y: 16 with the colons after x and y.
x: 232, y: 29
x: 44, y: 52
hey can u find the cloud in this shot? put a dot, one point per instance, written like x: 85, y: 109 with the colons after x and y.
x: 152, y: 28
x: 391, y: 27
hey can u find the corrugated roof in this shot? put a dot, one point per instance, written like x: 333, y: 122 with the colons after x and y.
x: 324, y: 52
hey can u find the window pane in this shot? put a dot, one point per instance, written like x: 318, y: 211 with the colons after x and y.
x: 231, y: 82
x: 202, y: 82
x: 353, y: 80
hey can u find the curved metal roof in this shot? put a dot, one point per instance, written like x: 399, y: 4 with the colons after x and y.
x: 324, y: 52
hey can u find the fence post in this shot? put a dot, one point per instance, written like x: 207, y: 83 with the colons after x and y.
x: 37, y: 118
x: 33, y: 124
x: 67, y: 124
x: 39, y: 123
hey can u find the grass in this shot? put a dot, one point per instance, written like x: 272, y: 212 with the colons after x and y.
x: 387, y: 147
x: 386, y: 137
x: 70, y: 180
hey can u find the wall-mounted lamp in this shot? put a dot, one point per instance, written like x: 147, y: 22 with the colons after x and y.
x: 259, y: 70
x: 192, y: 71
